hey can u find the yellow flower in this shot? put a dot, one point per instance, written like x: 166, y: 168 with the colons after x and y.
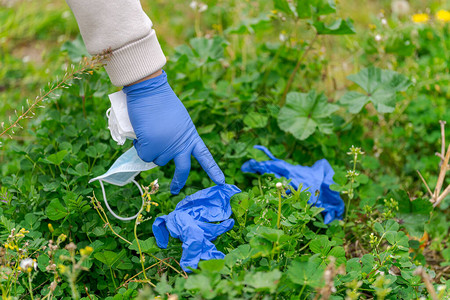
x: 86, y: 251
x: 23, y: 231
x: 50, y: 227
x: 443, y: 15
x: 420, y: 18
x: 62, y: 268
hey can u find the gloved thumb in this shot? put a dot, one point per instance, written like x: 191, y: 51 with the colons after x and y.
x: 182, y: 169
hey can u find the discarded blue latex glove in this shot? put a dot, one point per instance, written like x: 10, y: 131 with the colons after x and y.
x: 188, y: 222
x: 319, y: 177
x: 165, y: 131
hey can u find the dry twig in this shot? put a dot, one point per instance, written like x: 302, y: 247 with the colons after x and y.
x: 436, y: 196
x: 427, y: 280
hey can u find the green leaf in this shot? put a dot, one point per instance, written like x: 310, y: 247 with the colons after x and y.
x: 303, y: 8
x: 273, y: 235
x: 99, y: 231
x: 304, y: 113
x: 306, y: 273
x: 75, y: 49
x: 250, y: 25
x: 202, y: 283
x: 323, y: 7
x: 413, y: 215
x: 338, y: 253
x: 446, y: 254
x: 414, y: 244
x: 109, y: 258
x: 320, y: 245
x: 282, y: 5
x: 368, y: 261
x: 399, y: 238
x: 308, y: 8
x: 380, y: 86
x: 55, y: 210
x: 43, y: 261
x: 262, y: 281
x: 212, y: 265
x: 147, y: 246
x: 378, y: 228
x: 391, y: 225
x: 255, y: 120
x: 240, y: 255
x: 162, y: 287
x: 206, y: 50
x: 31, y: 221
x: 97, y: 150
x: 57, y: 158
x: 338, y: 27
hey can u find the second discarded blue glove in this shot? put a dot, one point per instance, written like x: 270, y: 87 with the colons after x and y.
x: 319, y: 177
x: 165, y: 131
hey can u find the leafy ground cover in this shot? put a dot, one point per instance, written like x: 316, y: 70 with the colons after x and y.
x: 308, y: 81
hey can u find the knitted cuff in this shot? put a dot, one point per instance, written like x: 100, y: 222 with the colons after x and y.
x: 135, y: 61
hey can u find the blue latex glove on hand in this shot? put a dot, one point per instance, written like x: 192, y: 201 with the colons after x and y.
x: 165, y: 131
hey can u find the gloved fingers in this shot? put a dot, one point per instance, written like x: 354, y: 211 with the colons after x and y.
x: 143, y: 152
x: 204, y: 157
x: 163, y: 159
x: 212, y: 231
x: 182, y: 169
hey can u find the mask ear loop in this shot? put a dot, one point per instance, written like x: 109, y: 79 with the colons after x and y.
x: 112, y: 212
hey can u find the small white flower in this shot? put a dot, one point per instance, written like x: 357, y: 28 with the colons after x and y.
x: 440, y: 288
x: 279, y: 185
x: 202, y: 7
x: 282, y: 37
x: 26, y: 59
x: 28, y: 263
x: 384, y: 21
x: 193, y: 5
x: 378, y: 38
x: 66, y: 14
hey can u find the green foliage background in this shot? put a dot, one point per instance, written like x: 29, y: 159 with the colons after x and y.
x: 383, y: 88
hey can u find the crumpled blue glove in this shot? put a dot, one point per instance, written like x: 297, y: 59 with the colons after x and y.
x: 165, y: 131
x: 188, y: 222
x: 319, y: 177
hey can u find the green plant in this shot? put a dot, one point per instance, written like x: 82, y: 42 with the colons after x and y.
x: 299, y: 78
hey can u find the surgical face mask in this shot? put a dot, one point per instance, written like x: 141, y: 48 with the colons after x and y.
x: 118, y: 120
x: 122, y: 172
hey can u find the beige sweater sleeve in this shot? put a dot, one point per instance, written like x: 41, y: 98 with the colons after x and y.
x: 123, y: 27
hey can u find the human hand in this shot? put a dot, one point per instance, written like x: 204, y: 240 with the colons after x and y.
x: 165, y: 131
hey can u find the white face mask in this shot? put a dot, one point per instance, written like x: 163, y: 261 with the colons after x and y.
x: 122, y: 172
x: 118, y: 120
